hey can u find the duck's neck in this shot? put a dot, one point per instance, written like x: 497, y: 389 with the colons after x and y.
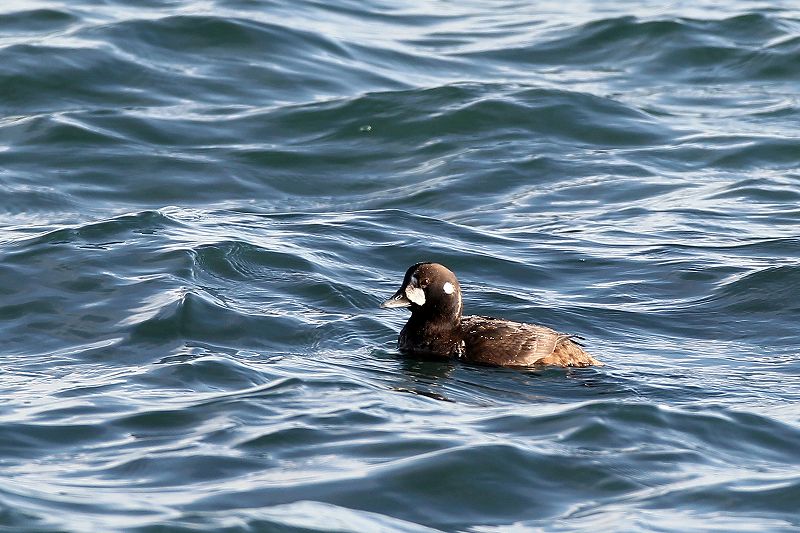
x: 431, y: 332
x: 433, y: 323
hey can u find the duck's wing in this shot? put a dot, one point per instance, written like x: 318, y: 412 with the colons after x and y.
x: 506, y: 343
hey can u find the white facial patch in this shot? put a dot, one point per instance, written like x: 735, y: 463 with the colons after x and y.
x: 448, y: 288
x: 416, y: 295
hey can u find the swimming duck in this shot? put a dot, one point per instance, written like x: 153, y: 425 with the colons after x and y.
x: 438, y: 329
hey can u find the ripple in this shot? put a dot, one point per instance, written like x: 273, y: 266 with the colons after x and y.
x: 304, y: 515
x: 202, y: 205
x: 33, y: 77
x: 36, y: 20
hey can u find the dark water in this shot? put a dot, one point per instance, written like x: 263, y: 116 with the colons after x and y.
x: 203, y: 202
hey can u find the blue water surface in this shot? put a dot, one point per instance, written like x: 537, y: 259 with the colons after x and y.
x: 202, y: 204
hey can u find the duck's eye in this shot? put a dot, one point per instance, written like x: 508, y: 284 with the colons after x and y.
x: 448, y: 288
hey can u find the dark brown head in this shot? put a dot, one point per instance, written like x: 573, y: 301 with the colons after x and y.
x: 430, y: 290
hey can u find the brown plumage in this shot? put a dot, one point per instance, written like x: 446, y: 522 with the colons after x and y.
x: 437, y: 328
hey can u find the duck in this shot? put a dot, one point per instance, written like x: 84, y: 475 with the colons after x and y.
x: 438, y: 329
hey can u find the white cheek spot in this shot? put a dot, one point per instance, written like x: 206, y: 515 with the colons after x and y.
x: 448, y: 288
x: 416, y: 295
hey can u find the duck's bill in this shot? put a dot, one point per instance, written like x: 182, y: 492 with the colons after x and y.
x: 398, y: 300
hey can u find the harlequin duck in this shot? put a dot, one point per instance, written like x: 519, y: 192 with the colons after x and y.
x: 437, y: 328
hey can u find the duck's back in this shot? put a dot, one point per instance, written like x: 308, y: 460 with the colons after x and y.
x: 503, y: 342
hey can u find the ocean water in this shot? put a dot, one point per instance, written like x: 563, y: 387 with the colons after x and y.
x: 203, y: 202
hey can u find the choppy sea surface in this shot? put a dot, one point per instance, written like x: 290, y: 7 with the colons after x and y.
x: 202, y: 204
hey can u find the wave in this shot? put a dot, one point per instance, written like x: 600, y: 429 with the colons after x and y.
x: 609, y: 454
x: 203, y: 205
x: 678, y: 48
